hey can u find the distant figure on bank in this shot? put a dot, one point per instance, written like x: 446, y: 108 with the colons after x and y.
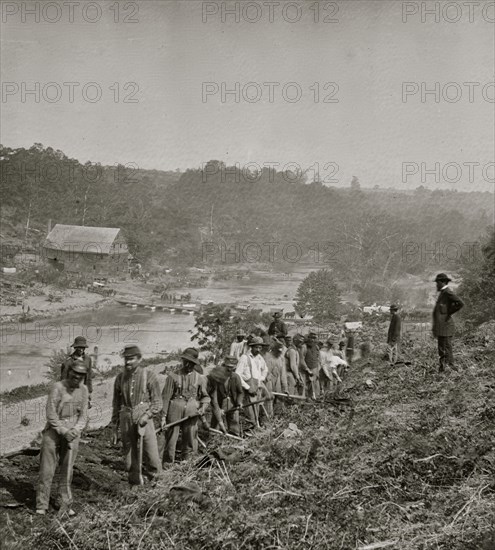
x: 277, y: 328
x: 66, y: 415
x: 394, y: 334
x: 80, y: 346
x: 240, y: 346
x: 443, y: 325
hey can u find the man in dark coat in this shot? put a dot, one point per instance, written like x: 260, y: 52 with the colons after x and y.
x: 393, y: 337
x: 277, y: 328
x: 79, y: 352
x: 443, y: 325
x: 136, y: 401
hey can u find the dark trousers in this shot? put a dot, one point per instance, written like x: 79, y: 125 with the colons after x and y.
x: 445, y: 351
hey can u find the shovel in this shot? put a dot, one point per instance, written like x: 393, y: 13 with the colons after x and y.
x: 141, y: 430
x: 299, y: 397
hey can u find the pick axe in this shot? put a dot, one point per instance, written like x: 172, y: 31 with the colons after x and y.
x: 299, y: 397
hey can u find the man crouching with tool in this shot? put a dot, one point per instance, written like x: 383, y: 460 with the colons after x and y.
x: 185, y: 400
x: 136, y: 400
x: 226, y: 393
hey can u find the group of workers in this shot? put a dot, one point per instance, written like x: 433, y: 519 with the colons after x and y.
x: 156, y: 425
x: 261, y: 372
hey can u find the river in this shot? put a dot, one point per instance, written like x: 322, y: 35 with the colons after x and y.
x: 27, y: 347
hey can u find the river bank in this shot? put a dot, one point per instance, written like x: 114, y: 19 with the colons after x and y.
x: 35, y: 308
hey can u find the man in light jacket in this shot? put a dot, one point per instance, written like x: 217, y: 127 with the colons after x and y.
x: 253, y: 371
x: 66, y: 415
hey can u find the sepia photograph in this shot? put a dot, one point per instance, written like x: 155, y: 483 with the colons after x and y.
x: 247, y: 275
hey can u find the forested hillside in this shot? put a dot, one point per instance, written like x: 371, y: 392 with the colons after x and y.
x: 369, y: 236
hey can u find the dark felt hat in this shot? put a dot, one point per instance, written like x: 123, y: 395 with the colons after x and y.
x: 442, y: 277
x: 80, y: 342
x: 394, y: 307
x: 131, y: 350
x: 230, y: 361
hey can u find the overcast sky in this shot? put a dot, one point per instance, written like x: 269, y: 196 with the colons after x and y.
x: 174, y: 47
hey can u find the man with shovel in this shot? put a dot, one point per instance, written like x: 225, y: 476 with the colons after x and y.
x: 185, y: 397
x: 136, y: 400
x: 66, y: 415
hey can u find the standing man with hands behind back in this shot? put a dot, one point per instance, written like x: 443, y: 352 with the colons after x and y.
x: 443, y: 324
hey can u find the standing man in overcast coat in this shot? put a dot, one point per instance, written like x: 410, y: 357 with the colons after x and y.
x: 443, y: 325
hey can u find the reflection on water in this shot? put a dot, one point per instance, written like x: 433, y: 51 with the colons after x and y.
x: 26, y: 347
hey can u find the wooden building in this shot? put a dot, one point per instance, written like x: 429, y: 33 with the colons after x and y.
x: 89, y: 252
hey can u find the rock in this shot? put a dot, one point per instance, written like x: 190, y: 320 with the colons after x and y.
x: 292, y: 431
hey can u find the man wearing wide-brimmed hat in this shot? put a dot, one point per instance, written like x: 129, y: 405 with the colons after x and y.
x: 253, y: 372
x: 66, y: 415
x: 394, y: 334
x: 136, y: 401
x: 225, y: 390
x: 443, y: 325
x: 184, y: 394
x: 80, y: 345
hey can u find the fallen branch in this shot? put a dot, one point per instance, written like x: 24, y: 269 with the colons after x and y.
x: 468, y: 504
x: 375, y: 545
x: 213, y: 430
x: 428, y: 458
x: 281, y: 492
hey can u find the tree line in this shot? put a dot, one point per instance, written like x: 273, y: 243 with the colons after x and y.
x: 367, y: 238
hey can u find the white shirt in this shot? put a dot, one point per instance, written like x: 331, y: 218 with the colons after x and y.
x: 330, y: 362
x: 237, y: 349
x: 250, y: 366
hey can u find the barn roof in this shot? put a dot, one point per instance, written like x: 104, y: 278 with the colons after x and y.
x: 78, y: 238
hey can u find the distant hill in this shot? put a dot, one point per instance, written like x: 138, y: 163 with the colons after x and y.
x: 224, y: 215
